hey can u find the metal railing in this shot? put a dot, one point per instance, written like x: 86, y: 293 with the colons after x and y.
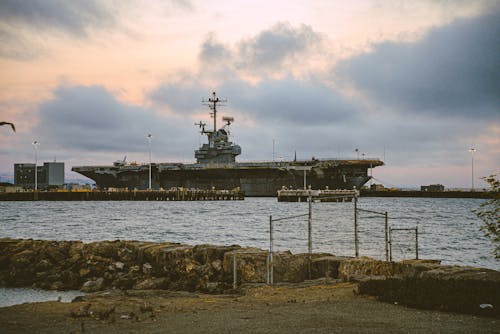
x: 403, y: 229
x: 271, y: 241
x: 386, y: 228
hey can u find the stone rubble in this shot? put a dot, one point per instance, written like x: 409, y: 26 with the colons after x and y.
x: 138, y: 265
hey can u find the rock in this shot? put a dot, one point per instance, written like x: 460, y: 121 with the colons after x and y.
x: 119, y: 265
x: 147, y: 268
x: 93, y: 286
x: 57, y: 285
x: 124, y: 282
x: 217, y: 265
x: 151, y: 284
x: 102, y: 312
x: 80, y: 311
x: 213, y: 287
x: 84, y: 272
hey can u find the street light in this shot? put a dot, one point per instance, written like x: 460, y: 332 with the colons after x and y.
x: 35, y: 147
x: 149, y: 146
x: 472, y: 150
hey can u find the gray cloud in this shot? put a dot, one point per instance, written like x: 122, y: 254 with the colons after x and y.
x: 288, y: 100
x: 213, y: 51
x: 89, y: 119
x: 71, y: 16
x: 269, y: 50
x: 453, y: 70
x: 274, y: 46
x: 24, y: 23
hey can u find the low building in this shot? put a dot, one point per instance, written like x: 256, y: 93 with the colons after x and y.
x: 377, y: 187
x: 49, y: 175
x: 432, y: 187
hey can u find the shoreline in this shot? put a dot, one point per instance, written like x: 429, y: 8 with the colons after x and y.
x: 134, y: 265
x: 321, y: 306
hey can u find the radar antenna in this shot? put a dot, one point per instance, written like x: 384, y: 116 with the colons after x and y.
x: 228, y: 121
x: 201, y: 126
x: 212, y: 103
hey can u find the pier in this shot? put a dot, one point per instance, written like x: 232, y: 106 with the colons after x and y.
x: 134, y: 195
x: 430, y: 194
x: 326, y: 195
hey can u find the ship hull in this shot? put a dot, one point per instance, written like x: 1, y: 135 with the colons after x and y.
x: 255, y: 179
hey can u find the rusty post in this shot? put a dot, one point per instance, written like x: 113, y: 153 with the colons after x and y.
x: 386, y: 236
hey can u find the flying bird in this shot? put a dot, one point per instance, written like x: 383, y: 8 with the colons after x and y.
x: 11, y: 125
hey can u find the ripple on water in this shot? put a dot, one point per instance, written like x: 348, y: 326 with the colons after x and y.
x: 448, y: 229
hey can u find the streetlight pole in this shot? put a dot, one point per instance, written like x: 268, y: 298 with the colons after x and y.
x: 149, y: 146
x: 35, y: 147
x: 472, y: 150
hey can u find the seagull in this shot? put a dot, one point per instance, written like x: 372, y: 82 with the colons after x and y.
x: 11, y: 125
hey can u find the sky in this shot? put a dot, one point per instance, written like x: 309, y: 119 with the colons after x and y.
x: 414, y: 83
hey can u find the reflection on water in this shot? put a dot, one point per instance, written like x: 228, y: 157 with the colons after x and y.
x: 14, y: 296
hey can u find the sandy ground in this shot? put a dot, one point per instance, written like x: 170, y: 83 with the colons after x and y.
x: 314, y: 307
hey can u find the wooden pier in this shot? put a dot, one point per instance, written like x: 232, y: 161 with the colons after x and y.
x: 134, y: 195
x: 302, y: 195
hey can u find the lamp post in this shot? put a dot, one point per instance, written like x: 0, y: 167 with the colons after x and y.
x: 472, y: 150
x: 149, y: 146
x: 35, y: 147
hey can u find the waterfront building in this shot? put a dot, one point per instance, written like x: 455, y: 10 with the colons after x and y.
x: 48, y: 175
x: 432, y: 187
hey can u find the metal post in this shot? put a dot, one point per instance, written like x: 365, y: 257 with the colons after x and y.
x: 235, y: 278
x: 271, y: 263
x: 267, y: 269
x: 386, y: 236
x: 35, y: 146
x: 416, y: 242
x: 390, y: 244
x: 356, y: 251
x: 305, y: 181
x: 309, y: 236
x: 149, y: 146
x: 472, y: 150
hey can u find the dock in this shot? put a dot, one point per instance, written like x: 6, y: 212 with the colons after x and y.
x: 133, y: 195
x: 326, y: 195
x: 431, y: 194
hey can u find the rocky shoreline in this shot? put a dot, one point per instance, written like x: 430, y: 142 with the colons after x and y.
x: 137, y: 265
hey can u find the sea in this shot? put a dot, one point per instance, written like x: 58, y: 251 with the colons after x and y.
x: 448, y: 229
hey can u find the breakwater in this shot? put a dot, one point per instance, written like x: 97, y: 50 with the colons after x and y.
x: 138, y: 195
x: 430, y: 194
x: 209, y: 268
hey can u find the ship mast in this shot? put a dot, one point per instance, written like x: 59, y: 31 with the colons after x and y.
x: 212, y: 104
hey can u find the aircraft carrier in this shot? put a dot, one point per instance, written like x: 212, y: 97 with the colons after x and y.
x: 216, y: 168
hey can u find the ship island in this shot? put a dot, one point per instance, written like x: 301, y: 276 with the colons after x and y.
x: 216, y: 168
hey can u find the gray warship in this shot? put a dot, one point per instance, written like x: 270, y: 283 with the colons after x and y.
x: 216, y: 168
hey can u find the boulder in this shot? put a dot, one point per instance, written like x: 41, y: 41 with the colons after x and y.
x: 93, y: 285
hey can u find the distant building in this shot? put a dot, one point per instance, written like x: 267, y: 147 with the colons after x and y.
x: 48, y: 175
x: 377, y: 187
x: 432, y: 187
x: 6, y: 187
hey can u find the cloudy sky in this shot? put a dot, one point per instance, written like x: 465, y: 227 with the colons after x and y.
x: 416, y: 83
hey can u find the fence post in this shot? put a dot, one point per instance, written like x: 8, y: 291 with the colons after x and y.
x: 271, y: 263
x: 416, y: 242
x: 386, y: 237
x: 309, y: 233
x: 356, y: 252
x: 390, y: 244
x: 235, y: 278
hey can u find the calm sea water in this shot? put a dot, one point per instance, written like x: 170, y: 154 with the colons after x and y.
x: 448, y: 229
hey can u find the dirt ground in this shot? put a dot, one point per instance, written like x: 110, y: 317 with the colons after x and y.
x: 314, y: 307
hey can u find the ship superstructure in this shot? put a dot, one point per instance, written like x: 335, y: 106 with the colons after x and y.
x: 216, y: 168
